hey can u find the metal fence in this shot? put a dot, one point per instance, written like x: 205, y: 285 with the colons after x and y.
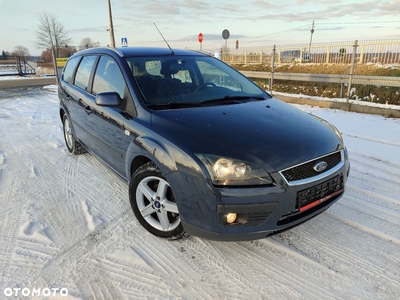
x: 367, y: 51
x: 348, y: 54
x: 17, y: 65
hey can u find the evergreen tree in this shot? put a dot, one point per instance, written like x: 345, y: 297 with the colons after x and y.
x: 3, y: 55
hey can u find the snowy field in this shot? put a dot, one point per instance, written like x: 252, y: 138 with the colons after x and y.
x: 66, y: 223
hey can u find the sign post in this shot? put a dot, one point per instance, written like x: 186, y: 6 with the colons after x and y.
x: 200, y: 38
x: 225, y: 35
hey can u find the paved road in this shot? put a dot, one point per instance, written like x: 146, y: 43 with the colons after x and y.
x: 40, y: 81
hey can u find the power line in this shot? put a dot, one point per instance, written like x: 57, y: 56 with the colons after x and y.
x: 372, y: 22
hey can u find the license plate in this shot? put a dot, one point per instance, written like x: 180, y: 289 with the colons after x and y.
x: 315, y: 195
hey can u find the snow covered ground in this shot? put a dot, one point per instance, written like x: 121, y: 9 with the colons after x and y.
x: 66, y: 223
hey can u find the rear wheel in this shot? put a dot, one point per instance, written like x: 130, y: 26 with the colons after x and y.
x: 153, y: 202
x: 72, y: 144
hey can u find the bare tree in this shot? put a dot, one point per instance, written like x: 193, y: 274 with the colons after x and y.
x: 21, y: 51
x: 88, y: 43
x: 51, y: 33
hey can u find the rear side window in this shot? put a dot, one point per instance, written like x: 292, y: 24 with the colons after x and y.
x: 84, y: 71
x: 69, y: 69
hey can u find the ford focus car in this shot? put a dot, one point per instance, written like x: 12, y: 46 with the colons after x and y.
x: 203, y: 149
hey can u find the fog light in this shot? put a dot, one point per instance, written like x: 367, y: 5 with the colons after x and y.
x: 230, y: 217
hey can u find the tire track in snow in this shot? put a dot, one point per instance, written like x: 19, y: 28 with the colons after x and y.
x: 328, y: 253
x: 272, y: 267
x: 382, y: 169
x: 365, y: 207
x: 219, y: 267
x: 12, y: 200
x: 10, y: 230
x: 167, y: 261
x: 373, y: 197
x: 377, y: 141
x: 368, y: 264
x: 385, y: 181
x: 41, y: 190
x: 375, y: 226
x: 82, y: 248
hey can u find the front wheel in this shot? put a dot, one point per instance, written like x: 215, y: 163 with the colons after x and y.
x: 153, y: 202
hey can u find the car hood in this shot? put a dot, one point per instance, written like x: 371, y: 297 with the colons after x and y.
x: 271, y: 133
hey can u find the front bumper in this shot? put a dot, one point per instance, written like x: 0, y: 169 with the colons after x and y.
x: 267, y: 209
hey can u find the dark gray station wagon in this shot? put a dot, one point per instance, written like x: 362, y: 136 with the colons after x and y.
x: 204, y: 150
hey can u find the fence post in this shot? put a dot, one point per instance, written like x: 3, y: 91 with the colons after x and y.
x: 328, y: 53
x: 353, y: 59
x: 341, y: 90
x: 272, y: 69
x: 362, y: 54
x: 19, y: 67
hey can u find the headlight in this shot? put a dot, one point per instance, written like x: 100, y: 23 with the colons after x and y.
x: 228, y: 171
x: 346, y: 153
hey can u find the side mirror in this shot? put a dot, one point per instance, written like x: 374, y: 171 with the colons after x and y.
x: 108, y: 99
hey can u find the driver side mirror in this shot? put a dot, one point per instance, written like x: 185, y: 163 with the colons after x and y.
x: 108, y: 99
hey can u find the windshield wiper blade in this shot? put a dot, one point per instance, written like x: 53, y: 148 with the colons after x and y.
x: 173, y: 104
x: 231, y: 99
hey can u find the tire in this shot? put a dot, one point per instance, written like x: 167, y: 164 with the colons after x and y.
x: 153, y: 203
x: 72, y: 144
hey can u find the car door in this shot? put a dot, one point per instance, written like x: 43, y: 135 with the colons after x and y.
x: 79, y: 97
x: 106, y: 125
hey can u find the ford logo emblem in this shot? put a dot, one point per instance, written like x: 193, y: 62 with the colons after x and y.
x: 320, y: 166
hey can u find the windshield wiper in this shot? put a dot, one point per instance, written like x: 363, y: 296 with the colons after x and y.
x: 173, y: 105
x: 231, y: 99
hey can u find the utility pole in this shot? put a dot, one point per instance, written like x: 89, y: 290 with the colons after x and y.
x: 111, y: 29
x: 312, y: 31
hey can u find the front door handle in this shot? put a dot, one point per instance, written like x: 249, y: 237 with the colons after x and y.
x: 88, y: 110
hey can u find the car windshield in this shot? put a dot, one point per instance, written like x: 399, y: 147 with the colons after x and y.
x: 182, y: 81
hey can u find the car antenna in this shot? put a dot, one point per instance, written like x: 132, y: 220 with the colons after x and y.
x: 172, y: 51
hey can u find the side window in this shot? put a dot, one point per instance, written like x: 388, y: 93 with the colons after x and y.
x: 69, y: 69
x: 83, y: 72
x: 108, y: 77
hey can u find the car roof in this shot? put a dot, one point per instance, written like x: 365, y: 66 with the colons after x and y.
x: 139, y: 51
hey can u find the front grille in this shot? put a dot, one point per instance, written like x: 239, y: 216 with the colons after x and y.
x: 306, y: 170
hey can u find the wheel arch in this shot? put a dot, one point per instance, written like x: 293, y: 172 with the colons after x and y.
x: 62, y: 113
x: 137, y: 162
x: 144, y: 150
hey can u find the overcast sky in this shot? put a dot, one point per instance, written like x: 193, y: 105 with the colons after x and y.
x: 254, y: 23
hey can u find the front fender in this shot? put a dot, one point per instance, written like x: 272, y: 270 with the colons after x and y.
x: 167, y: 156
x: 151, y: 149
